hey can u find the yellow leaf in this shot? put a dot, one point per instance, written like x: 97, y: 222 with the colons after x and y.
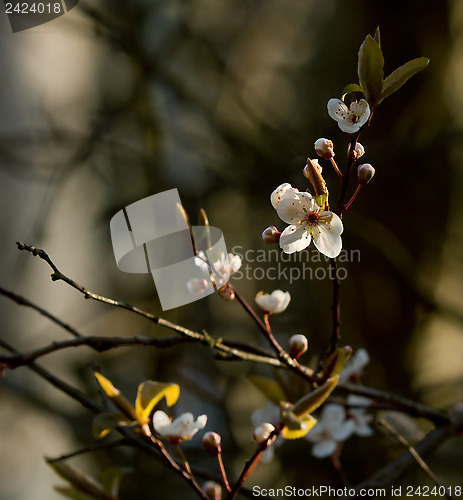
x: 116, y: 396
x: 150, y: 393
x: 306, y: 424
x: 103, y: 423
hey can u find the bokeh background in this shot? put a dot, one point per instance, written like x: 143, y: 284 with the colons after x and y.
x: 223, y: 100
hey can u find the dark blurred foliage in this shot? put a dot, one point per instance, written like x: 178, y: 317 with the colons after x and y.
x: 223, y: 100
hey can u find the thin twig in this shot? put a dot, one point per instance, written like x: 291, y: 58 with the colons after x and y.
x: 414, y: 454
x: 22, y: 301
x: 393, y: 470
x: 89, y: 449
x: 335, y: 308
x: 397, y: 403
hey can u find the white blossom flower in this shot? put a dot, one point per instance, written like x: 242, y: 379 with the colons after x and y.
x: 359, y: 416
x: 182, y: 428
x: 353, y: 369
x: 223, y: 268
x: 349, y: 120
x: 275, y: 302
x: 331, y: 428
x: 283, y: 192
x: 308, y: 221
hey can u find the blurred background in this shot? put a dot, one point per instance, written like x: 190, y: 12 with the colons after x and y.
x: 223, y: 99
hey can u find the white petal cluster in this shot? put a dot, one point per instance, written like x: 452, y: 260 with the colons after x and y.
x: 351, y: 119
x: 222, y: 269
x: 359, y: 416
x: 306, y: 221
x: 275, y: 302
x: 183, y: 427
x: 330, y: 429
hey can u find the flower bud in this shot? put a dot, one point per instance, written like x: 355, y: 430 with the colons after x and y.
x: 324, y: 148
x: 298, y: 344
x: 211, y: 443
x: 212, y: 490
x: 313, y: 172
x: 226, y: 293
x: 359, y: 150
x: 262, y: 432
x: 271, y: 235
x: 365, y: 174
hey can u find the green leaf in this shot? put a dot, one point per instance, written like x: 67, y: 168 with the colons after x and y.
x: 321, y: 199
x: 313, y: 400
x: 336, y: 361
x: 377, y: 37
x: 398, y: 77
x: 103, y: 423
x: 296, y: 427
x: 268, y: 387
x: 150, y: 393
x: 73, y: 493
x: 79, y: 479
x: 351, y: 89
x: 370, y: 70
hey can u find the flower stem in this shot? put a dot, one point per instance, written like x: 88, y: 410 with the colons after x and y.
x: 341, y: 177
x: 273, y: 341
x: 222, y: 472
x: 349, y: 203
x: 251, y: 464
x: 345, y: 182
x: 184, y: 460
x: 186, y: 474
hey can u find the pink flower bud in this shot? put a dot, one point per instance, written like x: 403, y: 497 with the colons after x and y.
x: 298, y: 344
x: 365, y: 174
x: 226, y: 293
x: 262, y: 432
x: 271, y: 235
x: 324, y: 148
x: 359, y: 150
x: 211, y: 443
x: 212, y: 490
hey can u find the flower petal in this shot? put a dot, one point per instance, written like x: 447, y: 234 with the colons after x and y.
x: 282, y: 192
x: 333, y: 415
x: 344, y: 431
x: 295, y: 238
x: 291, y: 210
x: 326, y: 237
x: 160, y: 421
x: 362, y: 110
x: 337, y: 110
x: 275, y: 302
x: 324, y: 448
